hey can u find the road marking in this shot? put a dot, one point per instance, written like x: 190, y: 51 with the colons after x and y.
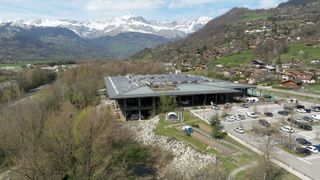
x: 302, y: 159
x: 312, y: 157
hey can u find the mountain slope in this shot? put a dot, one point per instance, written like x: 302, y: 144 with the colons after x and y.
x: 265, y: 32
x: 55, y: 43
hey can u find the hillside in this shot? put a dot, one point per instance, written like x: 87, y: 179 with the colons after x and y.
x: 56, y: 43
x: 266, y: 34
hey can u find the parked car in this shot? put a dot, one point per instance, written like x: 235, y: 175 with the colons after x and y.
x: 301, y: 111
x: 300, y: 106
x: 304, y: 151
x: 308, y: 110
x: 303, y: 142
x: 313, y: 149
x: 315, y: 108
x: 231, y: 118
x: 283, y: 113
x: 239, y: 130
x: 268, y: 114
x: 240, y: 117
x: 315, y: 117
x: 287, y: 129
x: 252, y: 114
x: 264, y: 123
x: 305, y: 127
x: 318, y: 147
x: 307, y: 118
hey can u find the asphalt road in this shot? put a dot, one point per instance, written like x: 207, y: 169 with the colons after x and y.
x: 290, y: 92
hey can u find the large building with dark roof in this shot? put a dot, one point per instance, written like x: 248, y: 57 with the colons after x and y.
x: 139, y: 95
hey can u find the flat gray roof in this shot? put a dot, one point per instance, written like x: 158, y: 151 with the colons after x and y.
x: 134, y: 86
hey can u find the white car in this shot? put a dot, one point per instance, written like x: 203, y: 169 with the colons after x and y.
x: 315, y: 117
x: 312, y: 149
x: 240, y: 117
x: 287, y: 129
x: 301, y: 111
x: 230, y: 118
x: 252, y: 114
x: 239, y: 130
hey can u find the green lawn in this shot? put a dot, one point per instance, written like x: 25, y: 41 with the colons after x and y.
x: 315, y: 87
x: 13, y: 65
x: 177, y: 134
x: 240, y: 175
x: 254, y: 16
x: 294, y: 49
x: 287, y: 176
x: 236, y: 59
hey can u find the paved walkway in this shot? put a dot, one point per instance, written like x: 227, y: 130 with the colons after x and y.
x: 236, y: 171
x: 290, y: 92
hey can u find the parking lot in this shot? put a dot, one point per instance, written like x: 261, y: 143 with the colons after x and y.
x: 309, y: 165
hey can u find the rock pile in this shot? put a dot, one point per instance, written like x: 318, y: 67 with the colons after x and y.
x: 186, y: 161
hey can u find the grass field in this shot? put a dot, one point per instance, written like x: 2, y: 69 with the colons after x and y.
x: 315, y: 87
x: 162, y: 129
x: 254, y: 16
x: 294, y: 49
x: 236, y: 59
x: 13, y: 65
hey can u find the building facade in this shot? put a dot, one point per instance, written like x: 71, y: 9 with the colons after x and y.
x: 138, y: 96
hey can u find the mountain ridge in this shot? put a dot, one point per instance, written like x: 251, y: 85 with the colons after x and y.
x: 127, y: 23
x: 57, y: 43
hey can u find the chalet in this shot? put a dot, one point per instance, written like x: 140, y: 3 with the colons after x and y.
x: 268, y: 68
x: 308, y: 79
x: 315, y: 61
x: 257, y: 63
x: 286, y: 66
x: 304, y: 77
x: 291, y: 84
x: 202, y: 66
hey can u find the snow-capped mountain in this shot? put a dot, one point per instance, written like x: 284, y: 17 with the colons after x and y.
x: 127, y: 23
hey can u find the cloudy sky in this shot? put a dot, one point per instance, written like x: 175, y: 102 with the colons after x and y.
x: 107, y: 9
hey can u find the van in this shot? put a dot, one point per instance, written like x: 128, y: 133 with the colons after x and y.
x: 252, y: 99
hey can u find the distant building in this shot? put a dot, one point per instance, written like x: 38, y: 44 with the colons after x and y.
x: 286, y: 66
x: 138, y: 96
x: 291, y: 84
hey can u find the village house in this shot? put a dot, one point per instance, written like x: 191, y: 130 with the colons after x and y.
x: 286, y: 66
x: 315, y: 61
x: 304, y: 77
x: 268, y: 68
x: 291, y: 84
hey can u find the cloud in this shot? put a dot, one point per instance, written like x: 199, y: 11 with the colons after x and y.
x: 111, y: 6
x: 269, y: 3
x: 189, y: 3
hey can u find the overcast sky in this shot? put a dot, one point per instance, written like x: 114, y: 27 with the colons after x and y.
x: 107, y: 9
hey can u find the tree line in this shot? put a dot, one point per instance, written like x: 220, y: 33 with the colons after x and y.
x: 61, y: 134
